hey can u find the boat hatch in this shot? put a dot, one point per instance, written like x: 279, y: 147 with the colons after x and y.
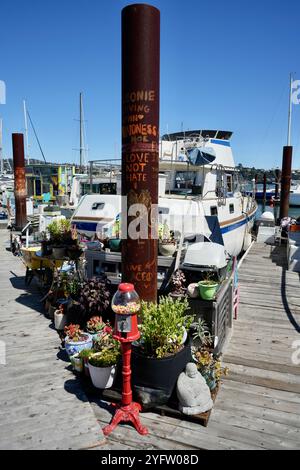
x: 98, y: 205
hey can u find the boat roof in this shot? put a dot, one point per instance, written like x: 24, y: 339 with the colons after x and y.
x: 213, y: 134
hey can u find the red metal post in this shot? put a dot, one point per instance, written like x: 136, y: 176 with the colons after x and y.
x: 20, y: 181
x: 140, y: 139
x: 126, y: 372
x: 286, y: 176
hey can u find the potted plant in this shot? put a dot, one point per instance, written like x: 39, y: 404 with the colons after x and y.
x: 77, y: 362
x: 45, y: 245
x: 201, y: 335
x: 76, y: 339
x: 103, y: 339
x: 92, y: 299
x: 60, y: 237
x: 60, y: 318
x: 166, y: 241
x: 114, y: 242
x: 160, y: 355
x: 178, y: 288
x: 85, y: 354
x: 210, y: 366
x: 208, y: 287
x: 102, y: 366
x: 95, y: 325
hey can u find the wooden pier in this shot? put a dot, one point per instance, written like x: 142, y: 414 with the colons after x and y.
x: 43, y: 405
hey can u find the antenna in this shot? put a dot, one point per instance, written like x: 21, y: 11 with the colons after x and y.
x: 290, y: 112
x: 81, y: 132
x: 36, y: 136
x: 26, y: 133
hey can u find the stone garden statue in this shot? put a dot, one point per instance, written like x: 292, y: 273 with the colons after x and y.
x: 192, y: 391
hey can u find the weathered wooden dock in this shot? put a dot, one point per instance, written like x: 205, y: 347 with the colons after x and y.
x: 42, y: 404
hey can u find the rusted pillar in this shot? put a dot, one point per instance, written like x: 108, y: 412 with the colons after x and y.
x: 286, y: 175
x: 264, y: 187
x: 20, y: 181
x: 140, y: 138
x: 277, y: 182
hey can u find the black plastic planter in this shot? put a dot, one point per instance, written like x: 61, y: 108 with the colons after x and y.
x: 153, y: 380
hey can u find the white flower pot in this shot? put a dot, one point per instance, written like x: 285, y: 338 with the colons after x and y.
x: 77, y: 363
x: 60, y: 320
x: 102, y: 377
x: 167, y: 249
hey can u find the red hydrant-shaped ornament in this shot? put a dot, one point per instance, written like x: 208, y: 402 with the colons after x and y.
x: 126, y: 305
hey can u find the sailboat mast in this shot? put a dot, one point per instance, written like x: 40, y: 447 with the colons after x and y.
x: 26, y: 133
x: 1, y: 156
x: 81, y: 132
x: 290, y: 112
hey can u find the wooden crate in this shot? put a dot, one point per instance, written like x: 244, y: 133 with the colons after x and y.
x: 169, y: 409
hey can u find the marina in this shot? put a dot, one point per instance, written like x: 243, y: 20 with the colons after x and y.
x: 257, y: 406
x: 150, y: 300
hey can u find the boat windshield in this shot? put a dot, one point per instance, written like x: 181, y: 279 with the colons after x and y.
x: 198, y: 157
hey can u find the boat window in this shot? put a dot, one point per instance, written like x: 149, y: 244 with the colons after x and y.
x: 98, y: 206
x: 231, y: 208
x: 163, y: 210
x: 185, y: 179
x: 229, y: 183
x: 213, y: 210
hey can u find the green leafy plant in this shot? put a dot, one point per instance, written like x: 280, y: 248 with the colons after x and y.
x: 163, y: 326
x: 201, y: 334
x: 210, y: 366
x: 116, y: 229
x: 165, y: 235
x: 60, y: 232
x: 105, y: 358
x: 86, y: 353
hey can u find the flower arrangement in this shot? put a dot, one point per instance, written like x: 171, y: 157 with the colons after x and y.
x: 74, y: 333
x: 105, y: 340
x: 95, y: 324
x: 210, y: 366
x: 163, y: 326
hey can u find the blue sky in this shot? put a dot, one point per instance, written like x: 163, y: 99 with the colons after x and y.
x: 224, y: 65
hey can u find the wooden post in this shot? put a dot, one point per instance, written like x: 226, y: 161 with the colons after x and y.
x: 140, y: 140
x: 20, y: 181
x: 286, y: 175
x: 277, y: 182
x: 264, y: 188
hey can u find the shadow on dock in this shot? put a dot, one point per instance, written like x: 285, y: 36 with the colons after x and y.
x: 279, y: 258
x: 31, y: 298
